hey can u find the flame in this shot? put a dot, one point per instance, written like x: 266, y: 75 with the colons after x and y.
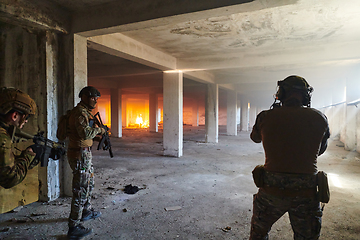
x: 139, y: 120
x: 140, y: 123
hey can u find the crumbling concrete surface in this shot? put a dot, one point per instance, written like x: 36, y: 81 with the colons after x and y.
x: 206, y: 194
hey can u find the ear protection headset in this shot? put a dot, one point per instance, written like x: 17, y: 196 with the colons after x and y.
x: 294, y: 83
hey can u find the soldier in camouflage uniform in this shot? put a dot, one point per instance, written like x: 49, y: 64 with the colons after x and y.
x: 81, y: 133
x: 15, y: 108
x: 293, y: 136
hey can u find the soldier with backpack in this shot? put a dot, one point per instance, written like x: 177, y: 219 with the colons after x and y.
x: 81, y: 132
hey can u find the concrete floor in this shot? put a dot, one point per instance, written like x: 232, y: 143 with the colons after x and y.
x: 206, y: 194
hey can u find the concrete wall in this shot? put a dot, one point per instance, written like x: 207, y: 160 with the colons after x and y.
x: 23, y: 66
x: 47, y: 66
x: 358, y: 131
x: 344, y: 123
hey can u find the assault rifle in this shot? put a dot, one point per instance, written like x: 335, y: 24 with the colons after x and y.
x: 104, y: 142
x: 50, y: 148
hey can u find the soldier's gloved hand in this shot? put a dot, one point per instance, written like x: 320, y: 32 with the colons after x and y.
x: 38, y: 150
x: 103, y: 130
x: 56, y: 153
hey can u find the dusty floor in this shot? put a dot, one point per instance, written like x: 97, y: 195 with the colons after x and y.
x: 206, y: 194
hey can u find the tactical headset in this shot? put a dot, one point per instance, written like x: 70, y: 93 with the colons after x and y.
x: 294, y: 83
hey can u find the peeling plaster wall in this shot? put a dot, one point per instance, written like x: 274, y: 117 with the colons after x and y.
x: 23, y: 66
x: 30, y: 62
x: 51, y: 190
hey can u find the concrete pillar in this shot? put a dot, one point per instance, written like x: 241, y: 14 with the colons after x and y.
x: 238, y: 112
x: 195, y: 113
x: 124, y: 114
x: 212, y: 113
x: 332, y: 113
x: 50, y: 176
x: 252, y: 116
x: 231, y: 126
x: 73, y: 80
x: 350, y: 128
x: 173, y: 114
x: 153, y: 112
x: 244, y: 122
x: 342, y: 122
x: 116, y: 114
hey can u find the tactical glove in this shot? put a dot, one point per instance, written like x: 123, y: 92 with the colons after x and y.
x: 103, y: 130
x: 39, y: 151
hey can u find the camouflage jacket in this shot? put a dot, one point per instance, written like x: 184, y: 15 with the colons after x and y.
x: 13, y: 168
x: 81, y: 134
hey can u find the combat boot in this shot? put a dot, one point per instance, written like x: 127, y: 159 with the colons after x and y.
x: 90, y: 214
x: 78, y: 232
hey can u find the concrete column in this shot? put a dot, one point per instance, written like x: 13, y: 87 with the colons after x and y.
x: 252, y: 116
x: 350, y: 128
x: 212, y: 113
x: 231, y: 126
x: 342, y: 122
x: 153, y: 112
x: 244, y: 122
x: 195, y: 113
x: 74, y: 79
x: 173, y: 114
x: 238, y: 112
x: 124, y: 114
x: 50, y: 176
x: 116, y: 122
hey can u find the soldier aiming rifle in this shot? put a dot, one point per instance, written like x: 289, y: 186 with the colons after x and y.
x: 15, y: 109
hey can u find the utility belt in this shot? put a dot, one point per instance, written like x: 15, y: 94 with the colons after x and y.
x: 292, y: 185
x: 79, y: 149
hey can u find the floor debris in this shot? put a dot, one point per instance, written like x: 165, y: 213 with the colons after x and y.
x: 130, y: 189
x: 226, y: 229
x: 174, y: 208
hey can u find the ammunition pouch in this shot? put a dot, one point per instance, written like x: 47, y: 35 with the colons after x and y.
x: 288, y: 184
x: 258, y: 175
x: 323, y: 193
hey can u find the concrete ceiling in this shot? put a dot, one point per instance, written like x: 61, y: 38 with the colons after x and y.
x: 248, y: 45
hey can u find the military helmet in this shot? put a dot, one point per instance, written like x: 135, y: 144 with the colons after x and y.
x: 294, y: 83
x: 15, y: 99
x: 89, y: 91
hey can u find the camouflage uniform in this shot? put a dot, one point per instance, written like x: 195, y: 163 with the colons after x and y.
x: 292, y: 193
x: 13, y: 168
x: 81, y: 136
x: 293, y: 137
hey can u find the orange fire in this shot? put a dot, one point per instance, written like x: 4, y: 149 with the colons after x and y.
x: 141, y: 123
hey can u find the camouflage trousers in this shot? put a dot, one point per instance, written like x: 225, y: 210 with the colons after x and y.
x: 304, y: 212
x: 82, y: 184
